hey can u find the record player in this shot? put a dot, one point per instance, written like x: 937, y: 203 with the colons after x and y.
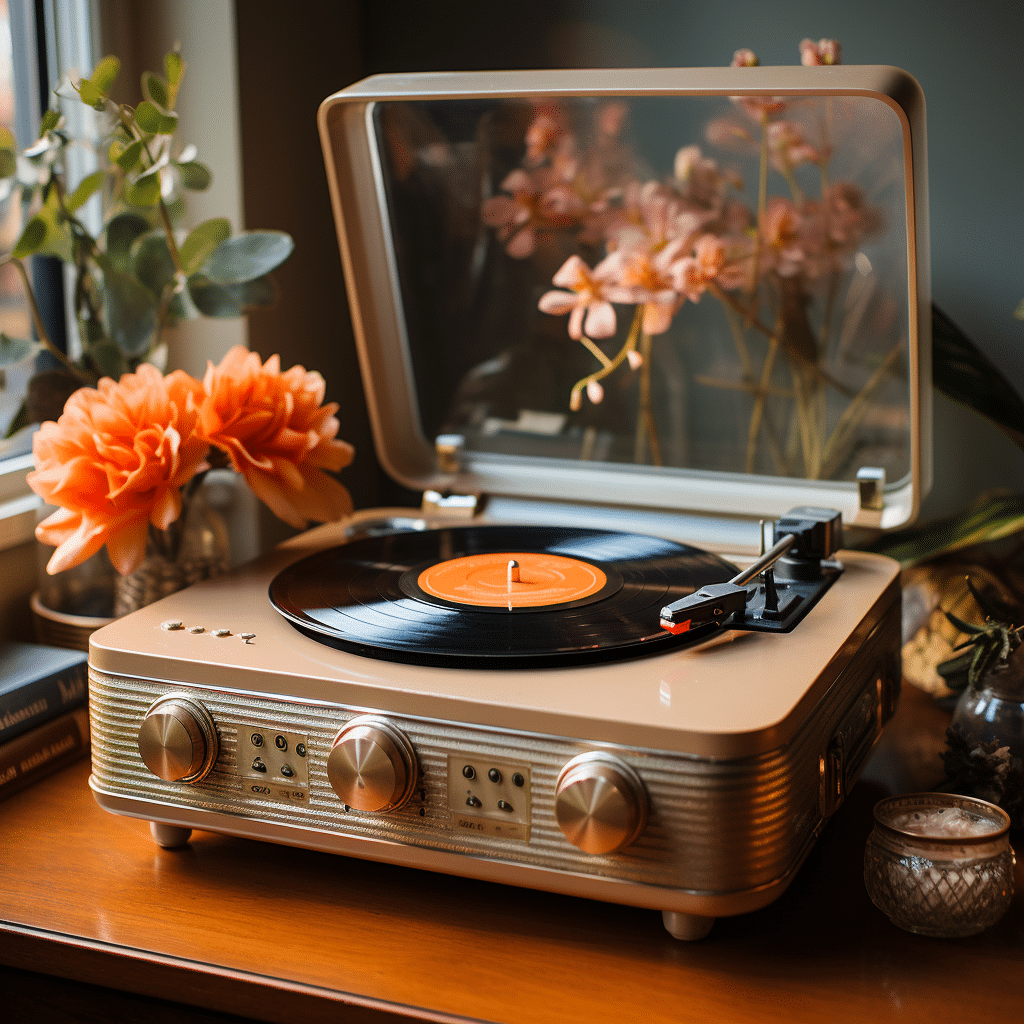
x: 648, y: 342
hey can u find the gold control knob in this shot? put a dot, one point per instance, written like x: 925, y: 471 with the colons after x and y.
x: 177, y: 739
x: 372, y: 766
x: 600, y: 803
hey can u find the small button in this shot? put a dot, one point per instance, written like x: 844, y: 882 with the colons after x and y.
x: 195, y: 629
x: 517, y: 779
x: 281, y: 743
x: 494, y: 775
x: 472, y: 801
x: 256, y: 739
x: 172, y: 624
x: 287, y: 771
x: 504, y: 805
x: 469, y: 772
x: 258, y: 766
x: 300, y: 749
x: 222, y: 632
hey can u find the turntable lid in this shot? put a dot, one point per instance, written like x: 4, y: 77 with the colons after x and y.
x: 695, y: 289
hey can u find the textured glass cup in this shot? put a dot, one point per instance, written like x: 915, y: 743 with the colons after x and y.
x: 940, y: 864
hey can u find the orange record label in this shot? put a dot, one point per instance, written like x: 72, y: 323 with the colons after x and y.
x: 535, y: 580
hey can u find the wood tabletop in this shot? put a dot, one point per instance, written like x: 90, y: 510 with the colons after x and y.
x: 282, y: 934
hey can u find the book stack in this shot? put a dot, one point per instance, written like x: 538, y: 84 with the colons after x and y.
x: 44, y: 713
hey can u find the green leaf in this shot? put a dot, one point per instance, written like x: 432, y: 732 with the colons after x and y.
x: 155, y: 121
x: 104, y: 73
x: 86, y: 189
x: 154, y: 88
x: 992, y: 517
x: 128, y: 158
x: 195, y: 176
x: 174, y: 68
x: 201, y: 243
x: 131, y: 314
x: 217, y: 300
x: 109, y: 359
x: 91, y: 94
x: 962, y: 372
x: 248, y: 256
x: 32, y: 237
x: 7, y: 140
x: 9, y: 164
x: 145, y: 190
x: 121, y: 232
x: 50, y: 121
x: 16, y: 350
x: 151, y: 263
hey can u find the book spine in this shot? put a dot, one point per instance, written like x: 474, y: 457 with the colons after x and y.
x: 42, y: 699
x: 42, y: 750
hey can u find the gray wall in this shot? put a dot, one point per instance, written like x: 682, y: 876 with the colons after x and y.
x: 967, y: 59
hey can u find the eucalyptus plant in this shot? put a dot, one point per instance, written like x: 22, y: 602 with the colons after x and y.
x: 139, y: 274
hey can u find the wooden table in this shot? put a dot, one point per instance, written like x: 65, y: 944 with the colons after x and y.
x: 231, y: 926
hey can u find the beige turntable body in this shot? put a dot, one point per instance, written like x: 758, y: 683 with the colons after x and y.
x: 743, y: 745
x: 693, y: 781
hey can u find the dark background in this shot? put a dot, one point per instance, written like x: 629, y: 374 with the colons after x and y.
x: 292, y: 56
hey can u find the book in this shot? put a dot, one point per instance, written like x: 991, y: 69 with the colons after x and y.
x: 42, y: 750
x: 38, y: 683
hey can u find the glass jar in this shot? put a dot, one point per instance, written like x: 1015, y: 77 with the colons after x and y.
x: 993, y: 710
x: 940, y: 864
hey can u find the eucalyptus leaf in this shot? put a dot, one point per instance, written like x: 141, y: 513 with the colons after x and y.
x: 201, y: 243
x: 154, y: 88
x: 131, y: 314
x: 145, y: 190
x: 86, y: 189
x: 151, y: 263
x: 16, y: 350
x: 128, y: 158
x: 8, y: 163
x: 231, y: 300
x: 50, y: 121
x: 109, y: 359
x: 153, y: 120
x: 104, y: 73
x: 32, y: 237
x: 248, y: 256
x: 196, y: 177
x: 122, y: 232
x: 7, y: 140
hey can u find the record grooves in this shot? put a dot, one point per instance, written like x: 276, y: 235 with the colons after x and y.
x: 399, y: 596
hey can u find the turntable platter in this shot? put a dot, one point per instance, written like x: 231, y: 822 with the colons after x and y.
x: 495, y: 596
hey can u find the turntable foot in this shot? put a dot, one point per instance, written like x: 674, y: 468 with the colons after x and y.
x: 169, y: 836
x: 686, y: 926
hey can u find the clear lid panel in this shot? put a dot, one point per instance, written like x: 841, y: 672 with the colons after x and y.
x: 683, y: 282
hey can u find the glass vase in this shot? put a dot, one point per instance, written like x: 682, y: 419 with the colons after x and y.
x: 203, y: 551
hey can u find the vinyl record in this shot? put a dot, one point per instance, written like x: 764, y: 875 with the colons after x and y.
x: 495, y: 596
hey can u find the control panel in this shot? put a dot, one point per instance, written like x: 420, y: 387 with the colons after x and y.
x: 273, y: 765
x: 489, y: 796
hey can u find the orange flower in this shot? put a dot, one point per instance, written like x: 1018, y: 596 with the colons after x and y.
x: 278, y: 435
x: 115, y: 462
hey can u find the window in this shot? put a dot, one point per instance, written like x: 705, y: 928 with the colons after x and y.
x: 39, y: 42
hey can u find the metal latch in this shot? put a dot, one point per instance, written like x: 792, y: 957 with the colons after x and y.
x: 452, y: 506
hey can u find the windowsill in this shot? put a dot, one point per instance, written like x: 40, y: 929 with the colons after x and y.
x: 18, y: 503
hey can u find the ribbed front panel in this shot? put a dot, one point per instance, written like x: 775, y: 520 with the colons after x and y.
x: 714, y: 827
